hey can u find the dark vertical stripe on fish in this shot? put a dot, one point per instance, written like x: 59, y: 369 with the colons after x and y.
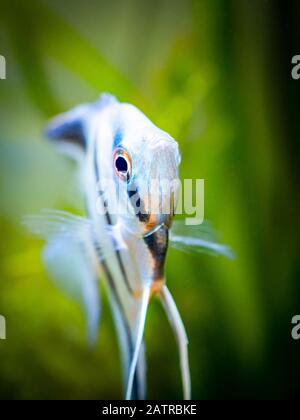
x: 113, y: 289
x: 157, y: 244
x: 137, y: 204
x: 109, y: 221
x: 135, y: 389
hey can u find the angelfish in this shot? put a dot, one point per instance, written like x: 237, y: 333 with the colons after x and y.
x: 120, y: 240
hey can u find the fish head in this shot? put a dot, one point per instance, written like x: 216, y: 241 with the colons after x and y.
x: 133, y: 162
x: 132, y: 173
x: 145, y: 161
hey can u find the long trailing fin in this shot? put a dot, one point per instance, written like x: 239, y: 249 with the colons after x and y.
x: 73, y: 270
x: 139, y: 341
x: 197, y: 239
x: 68, y: 237
x: 181, y: 337
x: 70, y: 259
x: 126, y: 336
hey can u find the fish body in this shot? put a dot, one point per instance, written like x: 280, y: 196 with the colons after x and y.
x: 130, y: 181
x: 110, y: 134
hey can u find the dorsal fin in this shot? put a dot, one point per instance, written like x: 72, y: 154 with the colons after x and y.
x: 69, y: 128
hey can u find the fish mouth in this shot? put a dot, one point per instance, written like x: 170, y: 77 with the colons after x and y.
x: 155, y: 229
x: 155, y: 222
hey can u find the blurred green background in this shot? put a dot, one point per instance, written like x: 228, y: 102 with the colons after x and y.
x: 216, y: 74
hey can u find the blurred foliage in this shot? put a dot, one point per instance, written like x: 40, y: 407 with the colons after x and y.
x: 216, y: 75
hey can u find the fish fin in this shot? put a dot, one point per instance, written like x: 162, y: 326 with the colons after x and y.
x: 126, y: 333
x: 138, y: 341
x: 73, y: 270
x: 106, y: 99
x: 50, y: 223
x: 181, y: 337
x: 71, y: 258
x: 67, y: 130
x: 197, y: 239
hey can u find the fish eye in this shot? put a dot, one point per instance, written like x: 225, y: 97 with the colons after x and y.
x: 122, y: 164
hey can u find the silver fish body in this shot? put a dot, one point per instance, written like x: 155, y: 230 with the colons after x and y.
x: 129, y: 178
x: 130, y: 167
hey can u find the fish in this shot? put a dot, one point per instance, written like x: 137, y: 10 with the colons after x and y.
x: 121, y: 241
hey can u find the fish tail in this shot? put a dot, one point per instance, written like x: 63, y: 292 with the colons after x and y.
x: 181, y: 337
